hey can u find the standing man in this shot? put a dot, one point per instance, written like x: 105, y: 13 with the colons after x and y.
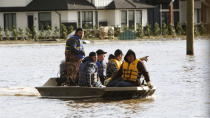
x: 101, y: 65
x: 74, y: 53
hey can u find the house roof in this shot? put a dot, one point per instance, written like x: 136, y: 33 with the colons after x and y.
x: 127, y: 4
x: 56, y: 5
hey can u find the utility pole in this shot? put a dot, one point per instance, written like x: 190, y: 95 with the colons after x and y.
x: 190, y: 27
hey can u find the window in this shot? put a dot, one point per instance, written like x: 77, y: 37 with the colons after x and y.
x: 123, y: 18
x: 197, y: 16
x: 139, y: 17
x: 87, y: 19
x: 79, y: 19
x: 44, y: 20
x: 176, y: 17
x: 96, y: 19
x: 165, y: 18
x: 9, y: 20
x: 131, y: 19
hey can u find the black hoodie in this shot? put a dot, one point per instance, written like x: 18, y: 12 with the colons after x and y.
x: 130, y: 52
x: 140, y: 66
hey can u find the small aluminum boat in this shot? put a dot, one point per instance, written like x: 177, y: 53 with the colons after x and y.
x: 51, y: 90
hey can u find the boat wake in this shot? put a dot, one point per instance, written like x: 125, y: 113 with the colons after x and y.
x: 18, y: 91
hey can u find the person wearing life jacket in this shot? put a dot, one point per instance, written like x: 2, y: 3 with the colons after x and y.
x: 114, y: 64
x: 74, y: 53
x: 131, y: 70
x: 88, y: 74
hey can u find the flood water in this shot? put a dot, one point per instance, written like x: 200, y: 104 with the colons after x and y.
x: 182, y: 82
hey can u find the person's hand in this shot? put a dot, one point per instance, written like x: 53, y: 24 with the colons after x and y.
x: 144, y: 58
x: 149, y: 84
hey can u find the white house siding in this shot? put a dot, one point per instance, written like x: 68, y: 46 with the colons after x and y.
x: 144, y: 17
x: 102, y: 16
x: 1, y: 20
x: 72, y: 16
x: 21, y: 20
x: 117, y: 18
x: 183, y: 9
x: 55, y: 20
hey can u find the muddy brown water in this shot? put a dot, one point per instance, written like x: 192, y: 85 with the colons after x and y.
x: 182, y: 82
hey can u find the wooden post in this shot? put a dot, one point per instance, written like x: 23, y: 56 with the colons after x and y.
x: 190, y: 27
x: 171, y: 13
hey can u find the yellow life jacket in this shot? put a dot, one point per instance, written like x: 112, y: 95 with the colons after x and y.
x: 130, y: 71
x: 117, y: 63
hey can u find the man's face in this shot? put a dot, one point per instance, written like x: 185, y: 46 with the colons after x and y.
x: 94, y: 58
x: 101, y: 57
x: 80, y: 34
x: 130, y: 58
x: 119, y: 58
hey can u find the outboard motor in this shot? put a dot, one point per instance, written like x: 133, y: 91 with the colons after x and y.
x: 62, y: 79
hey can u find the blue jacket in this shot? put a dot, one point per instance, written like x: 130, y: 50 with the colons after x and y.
x: 74, y: 44
x: 101, y: 69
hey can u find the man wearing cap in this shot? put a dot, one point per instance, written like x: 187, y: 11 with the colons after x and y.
x: 74, y: 53
x: 101, y: 65
x: 88, y: 74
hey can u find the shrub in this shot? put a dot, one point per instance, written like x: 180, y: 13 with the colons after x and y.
x: 111, y: 33
x: 63, y: 31
x: 179, y: 29
x: 48, y: 32
x: 147, y: 30
x: 139, y: 31
x: 196, y: 30
x: 164, y: 29
x: 157, y: 30
x: 117, y: 31
x: 15, y: 33
x: 203, y: 29
x: 56, y: 32
x: 7, y: 34
x: 34, y: 33
x: 1, y: 33
x: 171, y: 30
x: 28, y: 34
x: 20, y: 33
x: 70, y: 29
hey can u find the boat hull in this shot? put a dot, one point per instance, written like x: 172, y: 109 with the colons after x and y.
x: 50, y: 90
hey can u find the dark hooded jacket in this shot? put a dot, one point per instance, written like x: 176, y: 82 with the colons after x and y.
x: 140, y: 65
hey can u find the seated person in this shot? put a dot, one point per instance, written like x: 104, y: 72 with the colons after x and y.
x: 88, y: 72
x: 130, y: 72
x: 114, y: 63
